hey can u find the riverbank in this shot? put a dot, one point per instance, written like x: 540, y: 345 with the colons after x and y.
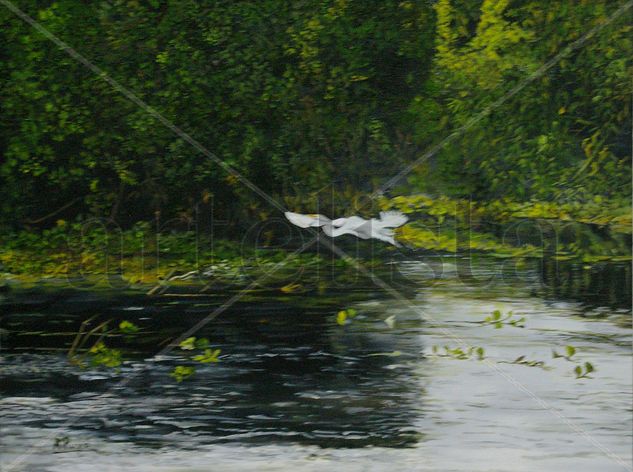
x: 587, y: 233
x: 597, y: 230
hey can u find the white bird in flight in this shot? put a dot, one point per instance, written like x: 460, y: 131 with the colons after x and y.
x: 374, y: 228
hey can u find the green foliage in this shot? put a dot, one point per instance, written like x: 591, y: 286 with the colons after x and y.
x: 613, y: 214
x: 208, y: 356
x: 582, y: 372
x: 570, y: 351
x: 480, y: 353
x: 343, y: 317
x: 141, y: 256
x: 317, y: 101
x: 182, y: 372
x: 289, y: 94
x: 192, y: 343
x: 498, y: 320
x: 460, y: 353
x: 188, y: 344
x: 127, y: 327
x: 595, y: 230
x: 101, y: 355
x: 564, y: 135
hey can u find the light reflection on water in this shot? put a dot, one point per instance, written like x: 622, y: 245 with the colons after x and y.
x: 296, y: 391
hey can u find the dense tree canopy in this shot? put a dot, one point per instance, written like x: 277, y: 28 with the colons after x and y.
x: 301, y: 96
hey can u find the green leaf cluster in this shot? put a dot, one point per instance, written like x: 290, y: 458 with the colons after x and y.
x: 317, y: 102
x: 498, y: 320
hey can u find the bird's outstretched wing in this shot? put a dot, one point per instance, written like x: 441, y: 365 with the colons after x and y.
x: 392, y: 219
x: 352, y: 222
x: 355, y: 225
x: 306, y: 221
x: 359, y: 231
x: 385, y: 234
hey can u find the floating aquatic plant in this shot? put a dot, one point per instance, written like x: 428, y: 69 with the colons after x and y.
x: 521, y: 360
x: 459, y: 353
x: 99, y: 353
x: 207, y: 356
x: 569, y: 353
x: 582, y: 372
x: 127, y: 327
x: 498, y: 320
x: 343, y: 316
x: 105, y: 356
x: 182, y: 372
x: 210, y: 355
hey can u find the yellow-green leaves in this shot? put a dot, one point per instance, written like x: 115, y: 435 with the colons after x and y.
x: 582, y: 372
x: 498, y: 320
x: 485, y: 56
x: 192, y: 343
x: 569, y: 353
x: 208, y: 356
x: 188, y: 344
x: 344, y: 316
x: 436, y: 224
x: 127, y: 327
x: 182, y: 372
x: 460, y: 353
x: 104, y: 356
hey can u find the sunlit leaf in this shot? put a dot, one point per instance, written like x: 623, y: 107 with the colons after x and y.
x: 182, y: 372
x: 291, y: 288
x: 208, y: 356
x: 188, y: 344
x: 128, y: 327
x: 570, y: 350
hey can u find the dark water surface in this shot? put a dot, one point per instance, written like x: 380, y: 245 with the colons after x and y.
x: 295, y: 390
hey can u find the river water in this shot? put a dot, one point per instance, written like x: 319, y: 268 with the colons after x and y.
x: 295, y: 390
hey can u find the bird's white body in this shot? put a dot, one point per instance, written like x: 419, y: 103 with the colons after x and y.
x: 374, y: 228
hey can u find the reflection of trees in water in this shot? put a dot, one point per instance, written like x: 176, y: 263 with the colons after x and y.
x: 599, y: 284
x: 290, y: 373
x: 314, y: 381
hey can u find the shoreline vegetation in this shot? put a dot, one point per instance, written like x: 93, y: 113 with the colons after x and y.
x: 588, y: 233
x: 321, y: 103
